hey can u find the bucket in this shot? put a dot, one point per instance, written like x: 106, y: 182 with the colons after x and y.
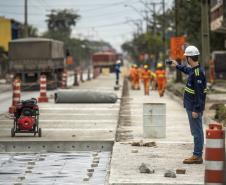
x: 154, y: 120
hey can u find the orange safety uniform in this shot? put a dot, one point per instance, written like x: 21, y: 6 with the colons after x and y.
x: 136, y: 80
x: 146, y: 77
x: 161, y: 81
x: 132, y: 75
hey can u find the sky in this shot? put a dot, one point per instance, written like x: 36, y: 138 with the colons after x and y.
x: 111, y: 21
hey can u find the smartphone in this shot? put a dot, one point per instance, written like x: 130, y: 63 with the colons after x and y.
x: 168, y: 62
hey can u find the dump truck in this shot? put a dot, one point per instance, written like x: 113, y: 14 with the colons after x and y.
x: 31, y: 57
x: 104, y: 60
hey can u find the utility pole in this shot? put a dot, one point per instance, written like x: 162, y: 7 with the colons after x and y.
x: 178, y: 73
x: 205, y: 32
x: 25, y: 19
x: 164, y: 30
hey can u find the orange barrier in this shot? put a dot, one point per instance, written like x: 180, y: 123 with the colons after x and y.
x: 64, y: 80
x: 43, y: 95
x: 16, y: 95
x: 215, y: 155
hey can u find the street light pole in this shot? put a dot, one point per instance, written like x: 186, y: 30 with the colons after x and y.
x: 25, y: 19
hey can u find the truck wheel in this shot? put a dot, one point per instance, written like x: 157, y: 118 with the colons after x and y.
x: 39, y: 132
x: 12, y: 132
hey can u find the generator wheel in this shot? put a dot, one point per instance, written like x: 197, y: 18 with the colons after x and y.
x: 39, y: 132
x: 12, y: 132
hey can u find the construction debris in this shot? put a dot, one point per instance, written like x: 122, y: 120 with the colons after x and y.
x: 180, y: 171
x: 144, y: 169
x: 146, y: 144
x: 170, y: 174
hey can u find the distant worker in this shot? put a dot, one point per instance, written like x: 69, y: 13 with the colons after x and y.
x: 194, y: 100
x: 117, y: 71
x: 146, y: 77
x: 161, y: 79
x: 136, y: 78
x: 131, y: 75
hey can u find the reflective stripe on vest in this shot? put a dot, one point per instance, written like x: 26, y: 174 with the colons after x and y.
x: 197, y: 72
x: 191, y: 91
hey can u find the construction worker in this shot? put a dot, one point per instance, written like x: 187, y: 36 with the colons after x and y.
x: 146, y: 77
x: 136, y: 78
x: 131, y: 75
x: 161, y: 79
x: 194, y: 100
x: 117, y: 71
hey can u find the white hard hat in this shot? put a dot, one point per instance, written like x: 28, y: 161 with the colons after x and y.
x: 191, y: 51
x: 118, y: 62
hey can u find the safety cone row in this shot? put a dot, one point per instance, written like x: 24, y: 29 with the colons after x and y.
x: 43, y: 95
x: 16, y: 95
x: 64, y: 80
x: 215, y: 155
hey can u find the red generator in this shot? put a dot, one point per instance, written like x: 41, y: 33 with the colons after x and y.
x: 26, y: 118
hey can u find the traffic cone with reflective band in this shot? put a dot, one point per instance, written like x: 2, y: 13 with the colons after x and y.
x: 43, y: 95
x: 16, y: 95
x: 215, y: 155
x: 64, y: 80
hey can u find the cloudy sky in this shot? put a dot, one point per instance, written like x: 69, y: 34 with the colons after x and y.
x: 112, y: 21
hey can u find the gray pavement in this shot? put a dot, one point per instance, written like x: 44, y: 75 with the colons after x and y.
x: 169, y: 153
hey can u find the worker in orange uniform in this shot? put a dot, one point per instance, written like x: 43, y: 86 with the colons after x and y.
x: 161, y: 79
x: 146, y: 77
x: 136, y: 78
x: 131, y: 75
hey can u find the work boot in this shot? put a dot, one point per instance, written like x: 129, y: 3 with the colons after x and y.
x: 193, y: 160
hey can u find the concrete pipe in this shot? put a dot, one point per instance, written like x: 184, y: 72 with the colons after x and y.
x: 85, y: 97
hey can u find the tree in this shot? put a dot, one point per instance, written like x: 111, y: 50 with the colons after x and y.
x: 60, y: 23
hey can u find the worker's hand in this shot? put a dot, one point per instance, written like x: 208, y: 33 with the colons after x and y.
x: 195, y: 115
x: 174, y: 63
